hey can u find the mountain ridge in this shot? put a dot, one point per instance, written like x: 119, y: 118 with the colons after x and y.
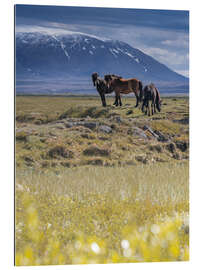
x: 75, y: 56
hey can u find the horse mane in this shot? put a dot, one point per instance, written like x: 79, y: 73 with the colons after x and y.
x: 94, y: 76
x: 118, y: 77
x: 152, y: 85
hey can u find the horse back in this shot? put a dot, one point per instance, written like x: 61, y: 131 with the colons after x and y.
x: 127, y: 83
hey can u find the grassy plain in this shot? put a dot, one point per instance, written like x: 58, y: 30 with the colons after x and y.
x: 94, y: 185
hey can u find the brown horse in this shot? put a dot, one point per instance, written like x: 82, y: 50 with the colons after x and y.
x: 123, y: 86
x: 151, y: 93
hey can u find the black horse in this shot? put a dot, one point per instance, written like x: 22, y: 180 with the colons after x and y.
x: 151, y: 93
x: 102, y: 86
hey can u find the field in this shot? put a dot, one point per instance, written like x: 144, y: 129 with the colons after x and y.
x: 101, y: 185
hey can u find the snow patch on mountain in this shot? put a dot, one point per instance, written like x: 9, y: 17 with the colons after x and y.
x: 114, y: 52
x: 62, y: 47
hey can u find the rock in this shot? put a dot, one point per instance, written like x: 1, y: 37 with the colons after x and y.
x: 151, y: 131
x: 60, y: 126
x: 105, y: 129
x: 184, y: 121
x: 183, y: 146
x: 138, y: 132
x: 90, y: 125
x: 156, y: 134
x: 113, y: 126
x: 118, y: 119
x: 161, y: 136
x: 171, y: 147
x: 103, y: 138
x: 69, y: 125
x: 129, y: 112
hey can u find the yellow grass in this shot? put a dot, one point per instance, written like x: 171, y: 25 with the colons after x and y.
x: 96, y: 215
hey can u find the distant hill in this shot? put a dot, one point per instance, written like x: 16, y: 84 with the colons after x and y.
x: 64, y: 63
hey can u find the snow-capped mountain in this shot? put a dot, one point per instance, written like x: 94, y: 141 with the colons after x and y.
x: 75, y: 56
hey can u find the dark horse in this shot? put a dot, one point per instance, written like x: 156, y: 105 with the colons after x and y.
x: 151, y: 93
x: 122, y: 86
x: 102, y: 86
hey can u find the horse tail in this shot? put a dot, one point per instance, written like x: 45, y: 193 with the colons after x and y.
x: 141, y: 91
x: 158, y: 100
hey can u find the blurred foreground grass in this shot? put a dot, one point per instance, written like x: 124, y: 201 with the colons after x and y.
x: 96, y: 215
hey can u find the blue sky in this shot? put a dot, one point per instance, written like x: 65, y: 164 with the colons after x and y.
x: 163, y: 34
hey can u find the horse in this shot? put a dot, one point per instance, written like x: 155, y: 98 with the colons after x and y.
x: 102, y: 87
x: 124, y: 86
x: 151, y: 93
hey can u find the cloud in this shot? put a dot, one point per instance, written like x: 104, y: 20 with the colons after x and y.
x: 182, y: 41
x: 183, y: 72
x: 168, y: 57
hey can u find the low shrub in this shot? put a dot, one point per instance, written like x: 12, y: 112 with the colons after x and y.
x: 94, y: 150
x: 59, y: 151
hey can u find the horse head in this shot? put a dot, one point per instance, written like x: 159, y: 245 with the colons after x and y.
x: 94, y: 78
x: 110, y: 78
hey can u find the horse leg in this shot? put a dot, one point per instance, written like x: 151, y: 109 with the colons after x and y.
x: 152, y: 107
x: 136, y: 91
x: 120, y: 103
x: 103, y: 99
x: 148, y: 105
x: 143, y: 104
x: 137, y: 100
x: 117, y: 97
